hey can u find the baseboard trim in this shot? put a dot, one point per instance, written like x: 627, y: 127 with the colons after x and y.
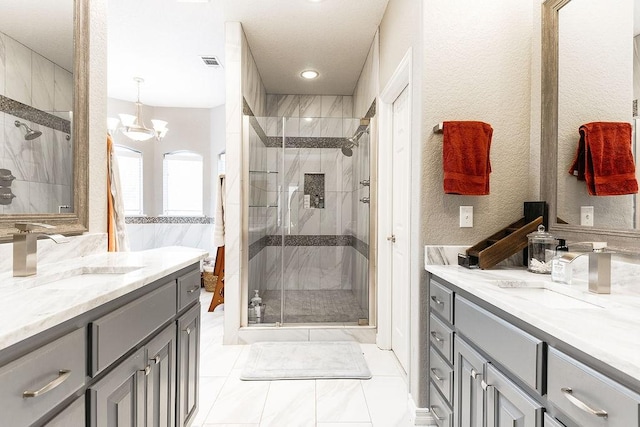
x: 419, y: 416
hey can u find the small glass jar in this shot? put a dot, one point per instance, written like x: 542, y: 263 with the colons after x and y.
x: 541, y: 251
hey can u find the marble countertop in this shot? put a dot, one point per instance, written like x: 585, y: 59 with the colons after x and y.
x: 64, y: 290
x: 606, y: 327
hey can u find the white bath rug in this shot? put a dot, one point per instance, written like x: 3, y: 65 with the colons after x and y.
x: 305, y: 360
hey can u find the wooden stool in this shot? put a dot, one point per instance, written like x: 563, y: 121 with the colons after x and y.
x: 218, y: 270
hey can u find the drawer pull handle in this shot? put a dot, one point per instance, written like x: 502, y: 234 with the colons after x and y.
x: 435, y: 375
x: 435, y: 336
x: 63, y: 375
x: 188, y: 331
x: 475, y: 374
x: 435, y: 414
x: 568, y: 393
x: 484, y: 385
x: 156, y: 359
x: 437, y: 301
x: 147, y: 370
x: 192, y: 290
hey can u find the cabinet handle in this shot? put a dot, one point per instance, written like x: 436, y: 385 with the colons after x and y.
x: 63, y: 375
x: 435, y: 336
x: 435, y: 375
x: 146, y: 370
x: 188, y: 331
x: 568, y: 393
x: 192, y: 290
x: 436, y: 300
x: 435, y: 414
x: 484, y: 385
x: 156, y: 359
x: 475, y: 374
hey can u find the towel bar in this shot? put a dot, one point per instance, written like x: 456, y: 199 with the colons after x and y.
x: 438, y: 128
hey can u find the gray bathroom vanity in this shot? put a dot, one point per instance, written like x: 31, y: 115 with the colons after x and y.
x: 514, y: 348
x: 108, y: 340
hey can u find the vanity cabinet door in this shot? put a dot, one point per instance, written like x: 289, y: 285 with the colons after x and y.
x: 161, y: 379
x: 188, y: 359
x: 507, y: 404
x: 118, y: 399
x: 469, y: 395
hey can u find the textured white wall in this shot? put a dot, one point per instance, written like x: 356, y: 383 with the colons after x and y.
x: 366, y: 89
x: 476, y: 67
x: 595, y: 83
x: 98, y: 117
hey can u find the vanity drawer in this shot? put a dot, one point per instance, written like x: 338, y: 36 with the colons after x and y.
x: 441, y: 374
x: 441, y: 337
x: 513, y: 348
x: 188, y: 289
x: 592, y: 389
x: 441, y: 300
x: 54, y: 372
x: 121, y: 330
x: 440, y: 411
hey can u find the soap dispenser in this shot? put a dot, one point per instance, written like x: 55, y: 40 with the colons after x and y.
x: 560, y: 268
x: 256, y: 302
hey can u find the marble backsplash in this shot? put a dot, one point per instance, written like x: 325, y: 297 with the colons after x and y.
x: 448, y: 255
x: 50, y: 252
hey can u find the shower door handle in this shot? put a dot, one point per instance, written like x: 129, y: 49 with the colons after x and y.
x: 392, y: 238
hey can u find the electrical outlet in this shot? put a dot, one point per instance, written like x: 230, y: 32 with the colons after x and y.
x: 586, y: 216
x: 466, y: 216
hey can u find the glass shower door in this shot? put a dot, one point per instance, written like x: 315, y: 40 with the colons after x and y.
x: 325, y: 228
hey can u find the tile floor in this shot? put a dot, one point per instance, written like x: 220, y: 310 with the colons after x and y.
x: 225, y: 400
x: 313, y: 306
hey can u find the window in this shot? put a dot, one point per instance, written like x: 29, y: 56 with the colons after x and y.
x: 130, y: 167
x: 182, y: 183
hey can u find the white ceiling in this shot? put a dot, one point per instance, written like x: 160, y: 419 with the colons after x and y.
x: 161, y: 41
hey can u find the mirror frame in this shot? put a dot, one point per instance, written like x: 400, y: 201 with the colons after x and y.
x: 76, y: 222
x: 619, y: 240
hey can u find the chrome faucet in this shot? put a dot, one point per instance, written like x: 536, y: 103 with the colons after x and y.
x: 599, y: 267
x: 25, y: 246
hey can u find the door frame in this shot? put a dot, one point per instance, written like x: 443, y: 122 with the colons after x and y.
x: 401, y: 78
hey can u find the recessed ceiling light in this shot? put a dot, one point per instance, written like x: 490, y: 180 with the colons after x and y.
x: 314, y: 1
x: 309, y: 74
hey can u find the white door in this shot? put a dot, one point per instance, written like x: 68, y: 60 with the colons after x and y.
x: 401, y: 176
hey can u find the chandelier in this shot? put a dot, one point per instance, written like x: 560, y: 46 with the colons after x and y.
x: 133, y: 127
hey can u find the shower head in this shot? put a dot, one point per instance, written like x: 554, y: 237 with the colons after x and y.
x: 31, y: 134
x: 347, y: 151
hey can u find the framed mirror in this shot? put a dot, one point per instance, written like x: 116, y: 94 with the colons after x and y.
x: 44, y: 140
x: 587, y: 76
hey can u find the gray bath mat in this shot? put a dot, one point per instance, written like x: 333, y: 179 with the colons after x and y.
x: 305, y: 360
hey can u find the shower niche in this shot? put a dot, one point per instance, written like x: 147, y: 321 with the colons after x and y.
x: 308, y: 233
x: 313, y: 191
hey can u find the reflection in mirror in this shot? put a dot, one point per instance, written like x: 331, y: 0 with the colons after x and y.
x: 36, y: 103
x: 595, y: 84
x: 587, y: 68
x: 43, y: 114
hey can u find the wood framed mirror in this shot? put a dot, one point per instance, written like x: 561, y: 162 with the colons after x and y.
x: 563, y: 103
x: 75, y: 220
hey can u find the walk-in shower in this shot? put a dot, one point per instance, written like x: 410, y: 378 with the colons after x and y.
x: 308, y: 230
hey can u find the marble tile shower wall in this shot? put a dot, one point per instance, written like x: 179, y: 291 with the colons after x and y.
x: 42, y: 183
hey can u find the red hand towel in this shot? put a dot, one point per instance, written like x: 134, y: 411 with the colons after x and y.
x: 465, y: 157
x: 604, y: 159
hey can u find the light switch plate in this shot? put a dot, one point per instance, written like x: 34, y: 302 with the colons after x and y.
x: 466, y: 216
x: 586, y: 216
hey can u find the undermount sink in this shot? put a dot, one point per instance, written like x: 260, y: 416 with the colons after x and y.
x: 541, y: 293
x: 78, y: 276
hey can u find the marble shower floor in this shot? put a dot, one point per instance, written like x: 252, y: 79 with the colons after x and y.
x: 321, y: 306
x: 225, y: 400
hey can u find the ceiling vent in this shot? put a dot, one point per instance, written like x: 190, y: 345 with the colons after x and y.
x: 211, y: 61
